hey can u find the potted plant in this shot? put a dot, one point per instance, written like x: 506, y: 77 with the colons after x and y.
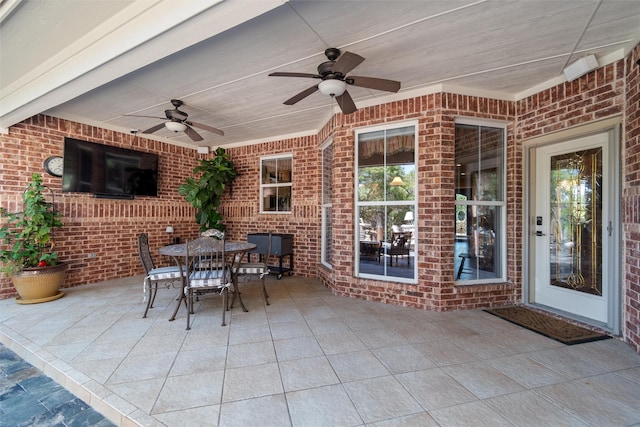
x: 27, y: 254
x: 205, y: 193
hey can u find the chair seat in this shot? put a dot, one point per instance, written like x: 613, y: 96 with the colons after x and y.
x: 208, y: 278
x: 162, y: 273
x: 252, y: 268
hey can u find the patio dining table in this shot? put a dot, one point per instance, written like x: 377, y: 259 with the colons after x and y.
x: 234, y: 252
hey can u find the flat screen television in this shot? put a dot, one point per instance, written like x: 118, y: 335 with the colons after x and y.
x: 108, y: 171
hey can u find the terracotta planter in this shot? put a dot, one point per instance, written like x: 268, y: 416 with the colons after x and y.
x: 40, y: 284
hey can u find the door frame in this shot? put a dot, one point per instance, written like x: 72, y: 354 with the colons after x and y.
x: 613, y: 128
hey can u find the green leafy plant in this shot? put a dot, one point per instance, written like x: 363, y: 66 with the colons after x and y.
x: 205, y: 193
x: 27, y: 236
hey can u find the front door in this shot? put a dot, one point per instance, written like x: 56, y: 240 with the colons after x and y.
x: 572, y: 227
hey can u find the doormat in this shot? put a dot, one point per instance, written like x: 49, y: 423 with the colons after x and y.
x: 547, y: 325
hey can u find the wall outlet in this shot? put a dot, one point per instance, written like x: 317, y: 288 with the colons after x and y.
x: 92, y: 255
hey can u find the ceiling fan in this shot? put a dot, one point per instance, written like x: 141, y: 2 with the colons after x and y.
x: 333, y: 74
x: 177, y: 122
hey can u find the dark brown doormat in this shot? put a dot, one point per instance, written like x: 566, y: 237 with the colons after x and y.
x: 547, y: 325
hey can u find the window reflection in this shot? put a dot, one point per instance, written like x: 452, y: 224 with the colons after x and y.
x: 386, y: 202
x: 479, y: 202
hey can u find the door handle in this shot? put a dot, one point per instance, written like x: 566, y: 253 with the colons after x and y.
x: 540, y: 233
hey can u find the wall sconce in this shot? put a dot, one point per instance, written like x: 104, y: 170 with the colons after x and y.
x: 397, y: 181
x: 581, y: 67
x: 172, y: 240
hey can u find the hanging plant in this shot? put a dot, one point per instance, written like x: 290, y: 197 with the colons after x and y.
x: 205, y: 192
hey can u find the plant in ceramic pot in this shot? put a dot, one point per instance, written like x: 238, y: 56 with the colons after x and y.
x: 205, y: 193
x: 27, y: 254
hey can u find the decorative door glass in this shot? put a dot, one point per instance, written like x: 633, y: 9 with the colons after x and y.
x: 576, y: 217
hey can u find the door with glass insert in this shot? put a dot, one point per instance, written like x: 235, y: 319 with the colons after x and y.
x: 571, y: 228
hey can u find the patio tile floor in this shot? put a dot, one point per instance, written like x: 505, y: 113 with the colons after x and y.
x: 309, y: 359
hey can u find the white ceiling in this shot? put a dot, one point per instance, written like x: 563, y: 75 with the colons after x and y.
x: 96, y: 61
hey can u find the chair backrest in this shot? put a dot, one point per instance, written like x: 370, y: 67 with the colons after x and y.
x: 205, y: 261
x: 144, y: 253
x: 400, y: 241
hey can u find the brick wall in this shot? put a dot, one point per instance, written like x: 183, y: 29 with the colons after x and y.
x: 242, y: 214
x: 435, y: 290
x: 104, y: 227
x: 631, y: 201
x: 608, y: 91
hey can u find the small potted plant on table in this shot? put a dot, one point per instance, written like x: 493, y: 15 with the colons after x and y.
x: 27, y: 254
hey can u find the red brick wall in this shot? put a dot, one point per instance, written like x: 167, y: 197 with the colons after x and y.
x: 435, y: 290
x: 242, y: 214
x: 608, y: 91
x: 104, y: 227
x: 631, y: 201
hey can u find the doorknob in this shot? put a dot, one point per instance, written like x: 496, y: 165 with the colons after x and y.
x: 540, y: 233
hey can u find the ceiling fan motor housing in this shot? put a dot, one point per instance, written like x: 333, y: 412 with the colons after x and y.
x: 176, y: 115
x: 325, y: 69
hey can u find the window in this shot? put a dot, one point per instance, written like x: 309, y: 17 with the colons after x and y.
x: 479, y: 255
x: 386, y: 203
x: 327, y: 196
x: 275, y: 184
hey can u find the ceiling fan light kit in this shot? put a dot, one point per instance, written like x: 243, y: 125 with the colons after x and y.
x: 176, y: 121
x: 332, y: 87
x: 176, y: 126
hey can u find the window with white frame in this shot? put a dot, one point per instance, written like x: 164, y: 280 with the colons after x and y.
x: 479, y: 251
x: 327, y: 197
x: 275, y: 184
x: 386, y: 198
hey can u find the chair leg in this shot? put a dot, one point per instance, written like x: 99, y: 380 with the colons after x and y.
x: 150, y: 299
x: 153, y: 295
x: 225, y: 297
x: 189, y: 299
x: 181, y: 298
x: 264, y: 291
x: 236, y: 292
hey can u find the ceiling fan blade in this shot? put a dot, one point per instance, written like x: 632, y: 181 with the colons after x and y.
x: 346, y: 62
x: 374, y: 83
x: 284, y: 74
x: 301, y: 95
x: 346, y: 103
x: 192, y: 134
x: 205, y: 127
x: 148, y: 117
x: 152, y: 129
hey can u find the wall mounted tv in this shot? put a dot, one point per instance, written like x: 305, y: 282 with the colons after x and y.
x: 106, y: 171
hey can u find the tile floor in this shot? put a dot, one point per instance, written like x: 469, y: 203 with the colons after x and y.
x: 315, y: 359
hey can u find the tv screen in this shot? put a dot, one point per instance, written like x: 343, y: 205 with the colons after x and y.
x: 108, y: 171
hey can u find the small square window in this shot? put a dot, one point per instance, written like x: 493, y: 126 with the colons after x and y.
x: 275, y: 184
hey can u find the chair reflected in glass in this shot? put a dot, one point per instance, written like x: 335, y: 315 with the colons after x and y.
x: 400, y: 246
x: 166, y: 276
x: 207, y: 271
